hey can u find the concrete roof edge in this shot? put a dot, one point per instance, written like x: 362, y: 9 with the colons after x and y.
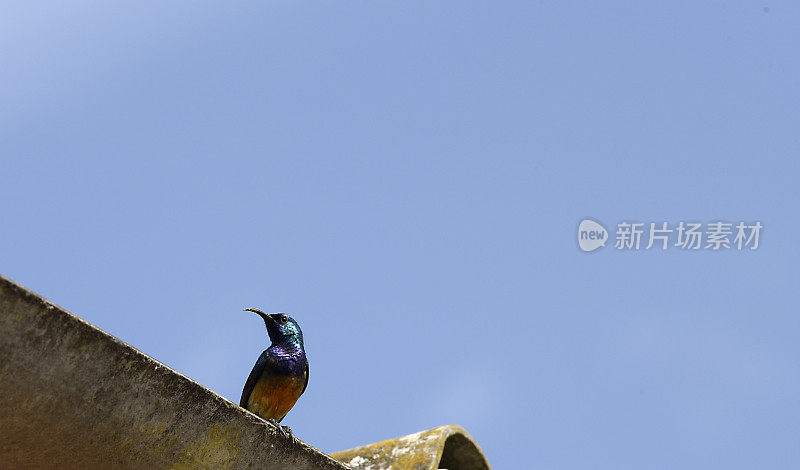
x: 447, y: 446
x: 76, y: 395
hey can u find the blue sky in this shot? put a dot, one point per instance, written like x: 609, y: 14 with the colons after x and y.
x: 406, y: 180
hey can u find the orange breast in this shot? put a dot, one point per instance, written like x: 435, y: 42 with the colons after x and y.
x: 273, y: 397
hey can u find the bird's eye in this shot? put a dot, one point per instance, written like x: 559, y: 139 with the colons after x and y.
x: 283, y: 319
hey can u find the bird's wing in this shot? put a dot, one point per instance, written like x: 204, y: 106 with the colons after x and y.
x: 307, y: 376
x: 253, y: 378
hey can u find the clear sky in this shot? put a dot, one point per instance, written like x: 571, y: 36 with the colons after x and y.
x: 406, y: 179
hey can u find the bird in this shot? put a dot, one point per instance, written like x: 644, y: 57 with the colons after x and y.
x: 280, y: 374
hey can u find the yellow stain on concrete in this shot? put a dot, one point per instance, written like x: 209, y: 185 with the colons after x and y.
x: 218, y: 448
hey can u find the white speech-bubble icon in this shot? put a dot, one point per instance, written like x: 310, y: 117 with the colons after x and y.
x: 591, y: 235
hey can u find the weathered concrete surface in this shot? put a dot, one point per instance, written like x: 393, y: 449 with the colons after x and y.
x: 72, y: 396
x: 447, y: 447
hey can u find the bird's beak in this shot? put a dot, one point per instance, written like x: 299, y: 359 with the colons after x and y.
x: 259, y: 313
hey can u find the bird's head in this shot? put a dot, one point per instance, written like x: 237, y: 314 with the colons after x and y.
x: 281, y: 327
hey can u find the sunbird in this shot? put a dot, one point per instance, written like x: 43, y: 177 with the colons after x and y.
x: 280, y: 375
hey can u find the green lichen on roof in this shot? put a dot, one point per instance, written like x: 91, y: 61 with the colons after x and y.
x: 443, y: 447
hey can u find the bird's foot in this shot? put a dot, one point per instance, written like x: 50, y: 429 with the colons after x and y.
x: 286, y: 431
x: 277, y: 426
